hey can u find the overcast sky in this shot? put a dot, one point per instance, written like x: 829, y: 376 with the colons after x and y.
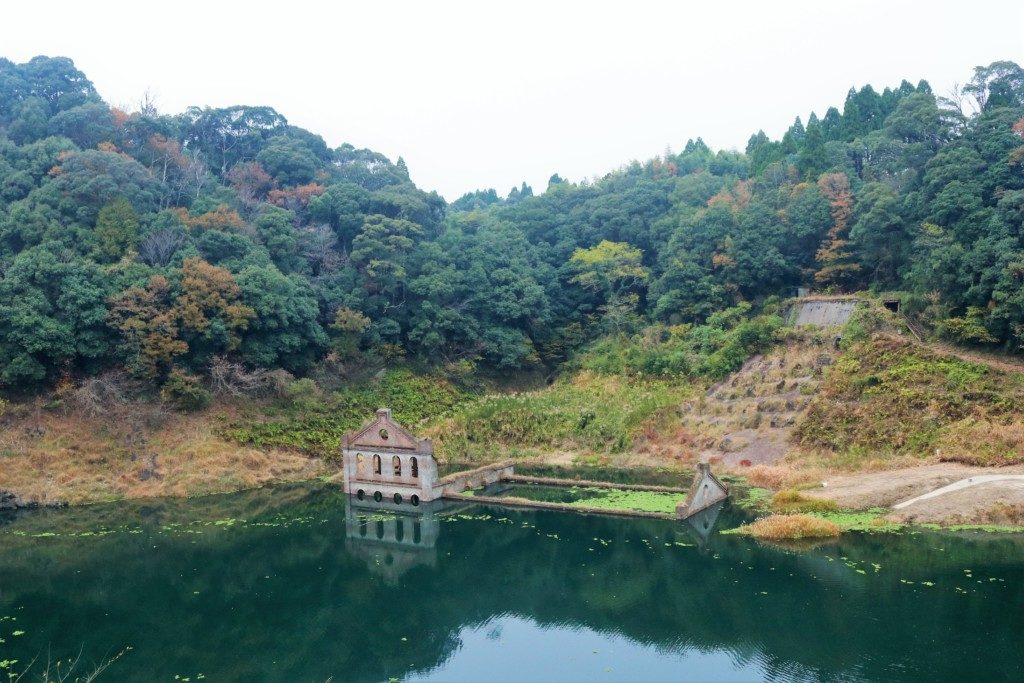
x: 487, y: 94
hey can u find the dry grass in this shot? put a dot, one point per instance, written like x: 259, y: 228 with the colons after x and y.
x: 1005, y: 514
x: 983, y: 442
x: 48, y: 457
x: 782, y: 475
x: 889, y: 398
x: 791, y: 500
x: 791, y: 527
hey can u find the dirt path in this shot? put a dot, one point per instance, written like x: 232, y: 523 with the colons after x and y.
x: 977, y: 480
x: 996, y: 489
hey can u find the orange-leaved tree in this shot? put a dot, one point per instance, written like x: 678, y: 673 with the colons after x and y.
x: 837, y: 262
x: 148, y: 326
x: 210, y: 305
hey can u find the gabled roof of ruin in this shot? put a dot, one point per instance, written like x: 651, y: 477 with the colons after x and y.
x: 384, y: 434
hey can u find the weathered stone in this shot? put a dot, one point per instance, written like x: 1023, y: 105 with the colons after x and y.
x: 705, y: 492
x: 9, y: 501
x: 731, y: 444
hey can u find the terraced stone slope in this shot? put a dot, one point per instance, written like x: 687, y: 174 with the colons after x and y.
x: 748, y: 417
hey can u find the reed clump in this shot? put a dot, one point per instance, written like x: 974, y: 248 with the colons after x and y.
x: 791, y: 527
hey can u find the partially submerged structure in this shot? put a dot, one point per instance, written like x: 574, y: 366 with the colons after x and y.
x: 705, y: 492
x: 386, y: 464
x: 384, y: 461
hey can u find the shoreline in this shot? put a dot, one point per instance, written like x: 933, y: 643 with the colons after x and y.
x: 843, y: 489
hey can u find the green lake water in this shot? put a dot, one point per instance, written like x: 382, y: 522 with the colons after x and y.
x: 296, y: 584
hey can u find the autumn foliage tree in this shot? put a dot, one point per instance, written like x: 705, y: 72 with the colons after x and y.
x: 251, y: 182
x: 1017, y: 155
x: 209, y: 306
x: 837, y: 263
x: 147, y: 322
x: 157, y: 325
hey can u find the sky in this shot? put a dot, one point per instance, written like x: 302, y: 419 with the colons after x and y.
x: 475, y: 95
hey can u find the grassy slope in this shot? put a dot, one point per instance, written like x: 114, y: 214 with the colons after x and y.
x: 586, y: 414
x: 48, y: 457
x: 315, y: 424
x: 888, y: 398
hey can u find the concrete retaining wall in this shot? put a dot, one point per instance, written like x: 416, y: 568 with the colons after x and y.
x: 823, y: 313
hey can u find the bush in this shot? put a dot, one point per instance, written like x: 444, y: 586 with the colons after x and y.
x: 969, y: 329
x: 588, y: 412
x: 792, y: 500
x: 712, y: 350
x: 300, y: 389
x: 315, y: 425
x: 791, y: 528
x: 185, y: 392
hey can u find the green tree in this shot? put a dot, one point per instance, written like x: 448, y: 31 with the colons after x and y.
x: 117, y: 230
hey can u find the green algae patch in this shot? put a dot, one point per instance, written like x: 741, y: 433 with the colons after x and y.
x: 598, y: 498
x: 871, y: 521
x: 987, y: 528
x: 639, y: 501
x: 755, y: 497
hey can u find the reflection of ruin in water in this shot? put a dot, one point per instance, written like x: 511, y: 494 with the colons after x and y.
x: 702, y: 523
x: 392, y: 539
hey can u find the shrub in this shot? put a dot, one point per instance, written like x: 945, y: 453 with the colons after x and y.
x: 712, y: 350
x: 589, y: 412
x: 969, y: 329
x: 315, y: 425
x: 792, y: 500
x: 300, y: 389
x: 185, y: 392
x: 790, y: 528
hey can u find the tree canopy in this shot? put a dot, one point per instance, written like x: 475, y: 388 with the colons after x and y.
x: 157, y: 242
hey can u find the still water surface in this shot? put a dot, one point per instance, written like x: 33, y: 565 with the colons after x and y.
x: 294, y: 584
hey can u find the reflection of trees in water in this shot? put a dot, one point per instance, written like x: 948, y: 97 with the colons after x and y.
x: 297, y: 594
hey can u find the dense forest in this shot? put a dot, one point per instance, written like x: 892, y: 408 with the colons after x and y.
x: 161, y: 243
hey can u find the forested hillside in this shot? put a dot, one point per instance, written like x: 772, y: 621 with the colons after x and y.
x: 165, y: 243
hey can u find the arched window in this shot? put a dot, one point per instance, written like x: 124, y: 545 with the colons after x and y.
x: 396, y: 465
x: 380, y: 529
x: 376, y: 464
x: 360, y: 464
x: 400, y: 530
x: 415, y: 468
x: 416, y: 532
